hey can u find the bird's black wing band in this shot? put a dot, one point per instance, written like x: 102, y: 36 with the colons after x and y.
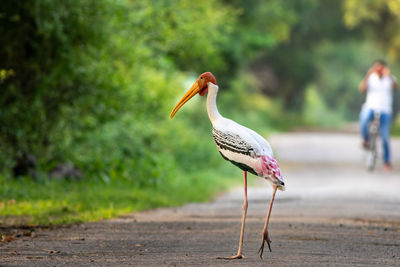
x: 232, y: 143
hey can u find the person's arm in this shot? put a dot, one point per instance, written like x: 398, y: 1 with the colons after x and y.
x: 363, y: 84
x: 392, y: 78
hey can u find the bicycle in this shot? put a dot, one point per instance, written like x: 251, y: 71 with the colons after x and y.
x: 372, y: 152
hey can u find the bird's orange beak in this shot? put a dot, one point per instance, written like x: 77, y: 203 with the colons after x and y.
x: 189, y: 94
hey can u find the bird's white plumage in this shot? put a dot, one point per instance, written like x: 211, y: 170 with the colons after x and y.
x: 260, y: 146
x: 259, y: 156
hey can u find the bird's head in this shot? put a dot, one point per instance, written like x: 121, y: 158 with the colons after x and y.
x: 200, y: 87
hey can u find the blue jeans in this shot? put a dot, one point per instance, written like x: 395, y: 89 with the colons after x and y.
x: 366, y: 116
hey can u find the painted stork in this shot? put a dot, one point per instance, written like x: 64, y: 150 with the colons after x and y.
x: 240, y: 145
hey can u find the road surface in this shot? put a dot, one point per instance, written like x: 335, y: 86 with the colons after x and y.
x: 333, y: 213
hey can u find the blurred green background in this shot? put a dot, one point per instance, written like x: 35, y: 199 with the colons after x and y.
x: 87, y: 88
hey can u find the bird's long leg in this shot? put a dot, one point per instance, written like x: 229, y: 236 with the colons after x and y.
x: 239, y: 254
x: 265, y: 236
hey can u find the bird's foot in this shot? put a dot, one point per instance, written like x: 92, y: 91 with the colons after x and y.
x: 235, y: 257
x: 265, y: 239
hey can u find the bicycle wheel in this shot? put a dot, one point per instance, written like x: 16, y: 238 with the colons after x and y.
x: 372, y: 154
x: 371, y: 160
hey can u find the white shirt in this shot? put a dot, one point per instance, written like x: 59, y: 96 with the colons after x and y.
x: 379, y: 93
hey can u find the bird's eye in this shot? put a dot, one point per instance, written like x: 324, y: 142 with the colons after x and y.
x: 201, y: 77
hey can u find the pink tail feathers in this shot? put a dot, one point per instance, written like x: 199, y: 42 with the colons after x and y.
x: 268, y: 167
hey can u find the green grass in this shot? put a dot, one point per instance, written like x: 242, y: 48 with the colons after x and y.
x: 27, y: 202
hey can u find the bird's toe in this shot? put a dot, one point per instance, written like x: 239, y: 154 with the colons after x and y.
x: 265, y: 239
x: 235, y: 257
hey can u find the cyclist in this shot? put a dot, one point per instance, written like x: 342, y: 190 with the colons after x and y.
x: 379, y: 86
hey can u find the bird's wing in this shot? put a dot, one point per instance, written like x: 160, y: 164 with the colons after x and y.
x: 246, y: 149
x: 236, y: 148
x: 243, y: 138
x: 264, y: 145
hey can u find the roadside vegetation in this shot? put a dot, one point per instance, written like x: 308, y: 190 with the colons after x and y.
x: 87, y: 88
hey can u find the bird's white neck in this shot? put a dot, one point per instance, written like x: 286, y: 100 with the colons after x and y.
x: 212, y: 109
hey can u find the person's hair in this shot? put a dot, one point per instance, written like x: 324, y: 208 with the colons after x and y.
x: 381, y: 61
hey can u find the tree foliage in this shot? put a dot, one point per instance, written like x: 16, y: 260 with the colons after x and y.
x: 91, y: 83
x: 46, y: 47
x: 380, y: 19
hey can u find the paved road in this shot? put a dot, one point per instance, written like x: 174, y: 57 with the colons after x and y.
x: 334, y: 213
